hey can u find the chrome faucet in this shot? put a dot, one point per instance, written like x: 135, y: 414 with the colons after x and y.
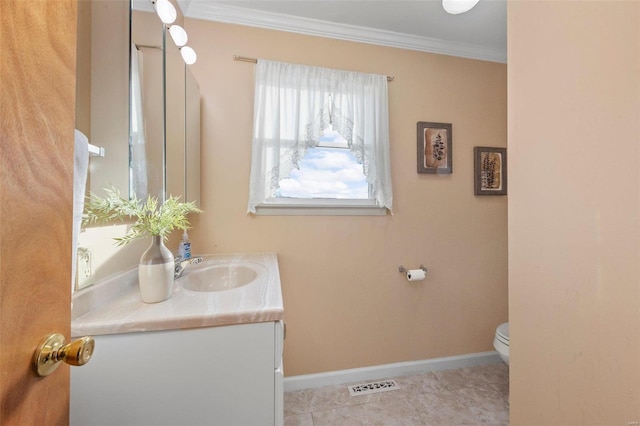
x: 181, y: 265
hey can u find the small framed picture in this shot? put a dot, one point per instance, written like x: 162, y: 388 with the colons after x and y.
x: 490, y: 165
x: 434, y: 148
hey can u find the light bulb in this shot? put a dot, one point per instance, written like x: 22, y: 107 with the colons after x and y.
x: 166, y: 11
x: 456, y: 7
x: 179, y: 35
x: 188, y: 54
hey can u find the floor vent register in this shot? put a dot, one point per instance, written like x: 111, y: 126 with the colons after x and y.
x: 373, y: 387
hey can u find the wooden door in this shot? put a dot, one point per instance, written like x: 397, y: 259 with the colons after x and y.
x: 37, y: 95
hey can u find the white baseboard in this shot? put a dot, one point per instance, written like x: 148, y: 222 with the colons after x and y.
x: 308, y: 381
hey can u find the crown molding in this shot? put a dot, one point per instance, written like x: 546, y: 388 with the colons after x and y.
x: 242, y: 16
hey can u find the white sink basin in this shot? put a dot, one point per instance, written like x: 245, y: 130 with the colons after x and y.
x: 208, y: 277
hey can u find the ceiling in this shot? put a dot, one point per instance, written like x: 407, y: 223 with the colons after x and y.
x: 417, y: 25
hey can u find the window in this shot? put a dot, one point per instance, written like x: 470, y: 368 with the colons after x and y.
x: 320, y: 141
x: 328, y: 171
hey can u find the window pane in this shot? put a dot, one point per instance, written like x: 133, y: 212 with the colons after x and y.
x: 326, y: 173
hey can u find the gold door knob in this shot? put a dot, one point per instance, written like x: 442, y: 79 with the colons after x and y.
x: 52, y: 350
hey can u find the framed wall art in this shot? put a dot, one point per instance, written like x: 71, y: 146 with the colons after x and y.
x: 490, y: 165
x: 434, y: 148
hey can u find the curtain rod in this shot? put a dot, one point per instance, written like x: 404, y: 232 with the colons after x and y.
x: 255, y: 61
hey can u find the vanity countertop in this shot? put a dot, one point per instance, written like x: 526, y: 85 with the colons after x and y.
x: 114, y: 305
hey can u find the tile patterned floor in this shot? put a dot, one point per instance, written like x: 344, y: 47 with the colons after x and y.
x: 467, y: 396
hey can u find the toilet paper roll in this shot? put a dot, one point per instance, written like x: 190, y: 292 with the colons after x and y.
x: 415, y: 274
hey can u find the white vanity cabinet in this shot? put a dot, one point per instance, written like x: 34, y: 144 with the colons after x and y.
x: 224, y: 375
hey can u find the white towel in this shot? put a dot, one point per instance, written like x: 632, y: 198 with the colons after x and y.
x: 80, y: 168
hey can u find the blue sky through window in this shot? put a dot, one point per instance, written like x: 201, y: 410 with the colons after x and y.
x: 326, y: 173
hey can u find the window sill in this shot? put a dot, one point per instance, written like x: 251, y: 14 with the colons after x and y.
x: 309, y: 207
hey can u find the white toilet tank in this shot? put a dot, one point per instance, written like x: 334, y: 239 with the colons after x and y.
x: 501, y: 341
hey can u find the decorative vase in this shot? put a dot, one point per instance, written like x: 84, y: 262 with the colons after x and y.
x: 155, y: 272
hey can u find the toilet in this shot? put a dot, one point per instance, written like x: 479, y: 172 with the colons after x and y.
x: 501, y: 341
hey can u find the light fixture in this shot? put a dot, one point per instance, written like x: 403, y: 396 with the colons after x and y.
x: 166, y: 11
x: 178, y: 35
x: 456, y: 7
x: 188, y: 54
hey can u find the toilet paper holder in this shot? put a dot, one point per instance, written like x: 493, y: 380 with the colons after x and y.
x: 402, y: 270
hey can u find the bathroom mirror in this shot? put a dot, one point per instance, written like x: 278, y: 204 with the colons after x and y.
x: 182, y: 139
x: 175, y: 119
x: 147, y: 127
x: 163, y: 161
x: 192, y: 137
x: 107, y: 29
x: 141, y: 127
x: 102, y: 89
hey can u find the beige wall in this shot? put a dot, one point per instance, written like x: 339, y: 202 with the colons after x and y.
x: 346, y: 305
x: 574, y: 288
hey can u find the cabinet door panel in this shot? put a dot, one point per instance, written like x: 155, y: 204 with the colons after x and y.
x: 209, y: 376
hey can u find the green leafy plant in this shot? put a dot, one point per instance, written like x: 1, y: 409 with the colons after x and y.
x: 152, y: 218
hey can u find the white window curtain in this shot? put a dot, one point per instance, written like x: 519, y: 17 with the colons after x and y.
x: 137, y: 145
x: 294, y: 104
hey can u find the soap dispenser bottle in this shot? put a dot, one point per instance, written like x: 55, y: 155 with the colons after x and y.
x: 184, y: 249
